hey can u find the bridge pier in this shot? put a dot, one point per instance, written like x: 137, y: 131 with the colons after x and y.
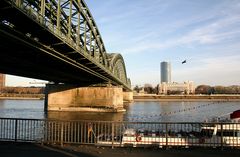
x: 92, y: 99
x: 128, y: 97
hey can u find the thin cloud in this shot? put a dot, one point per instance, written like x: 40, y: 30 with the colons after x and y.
x: 208, y: 34
x: 209, y: 27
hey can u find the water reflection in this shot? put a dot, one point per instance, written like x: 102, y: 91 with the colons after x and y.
x: 85, y: 116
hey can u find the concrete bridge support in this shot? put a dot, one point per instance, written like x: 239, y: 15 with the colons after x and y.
x: 128, y: 97
x: 92, y: 99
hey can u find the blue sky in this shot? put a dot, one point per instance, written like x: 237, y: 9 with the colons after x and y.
x: 204, y: 32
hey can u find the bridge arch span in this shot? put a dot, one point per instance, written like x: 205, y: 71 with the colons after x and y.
x: 118, y: 67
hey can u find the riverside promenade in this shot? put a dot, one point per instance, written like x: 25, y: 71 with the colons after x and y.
x: 9, y: 149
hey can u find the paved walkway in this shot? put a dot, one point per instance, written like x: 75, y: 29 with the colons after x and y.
x: 8, y: 149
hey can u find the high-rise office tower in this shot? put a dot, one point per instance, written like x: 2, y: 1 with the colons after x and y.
x: 2, y: 80
x: 165, y: 72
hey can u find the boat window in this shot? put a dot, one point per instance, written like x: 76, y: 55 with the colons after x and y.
x: 238, y: 134
x: 146, y: 132
x: 207, y: 132
x: 230, y: 133
x: 129, y: 135
x: 140, y: 132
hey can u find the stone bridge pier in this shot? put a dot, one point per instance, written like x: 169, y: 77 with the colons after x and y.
x: 63, y: 97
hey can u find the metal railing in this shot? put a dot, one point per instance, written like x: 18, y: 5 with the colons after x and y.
x: 107, y: 133
x: 12, y: 129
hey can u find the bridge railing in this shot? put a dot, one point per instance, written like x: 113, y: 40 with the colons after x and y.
x: 115, y: 134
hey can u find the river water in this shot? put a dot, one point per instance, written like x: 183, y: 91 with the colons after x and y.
x: 136, y: 112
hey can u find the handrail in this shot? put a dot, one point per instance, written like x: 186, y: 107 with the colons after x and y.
x: 162, y: 134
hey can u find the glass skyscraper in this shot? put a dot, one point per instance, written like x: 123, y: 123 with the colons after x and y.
x: 165, y: 72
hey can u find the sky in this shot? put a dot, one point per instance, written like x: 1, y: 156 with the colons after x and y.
x: 205, y: 33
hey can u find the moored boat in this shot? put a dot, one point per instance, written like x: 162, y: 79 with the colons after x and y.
x: 215, y: 134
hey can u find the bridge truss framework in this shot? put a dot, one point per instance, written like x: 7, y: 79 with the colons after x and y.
x: 76, y: 40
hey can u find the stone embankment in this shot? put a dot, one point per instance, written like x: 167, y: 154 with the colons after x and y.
x: 152, y: 97
x: 21, y: 96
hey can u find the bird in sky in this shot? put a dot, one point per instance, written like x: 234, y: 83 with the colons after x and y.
x: 185, y: 61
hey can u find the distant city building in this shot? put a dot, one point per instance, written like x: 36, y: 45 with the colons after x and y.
x: 168, y: 87
x: 2, y: 80
x: 177, y: 88
x: 165, y: 72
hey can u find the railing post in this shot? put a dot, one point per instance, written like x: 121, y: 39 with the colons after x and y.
x: 221, y: 136
x: 16, y: 132
x: 112, y: 135
x: 166, y: 135
x: 61, y: 134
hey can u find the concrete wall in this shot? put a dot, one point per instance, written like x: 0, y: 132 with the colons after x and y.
x: 87, y: 97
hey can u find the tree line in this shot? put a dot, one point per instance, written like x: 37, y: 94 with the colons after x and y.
x: 22, y: 90
x: 206, y: 89
x: 148, y: 88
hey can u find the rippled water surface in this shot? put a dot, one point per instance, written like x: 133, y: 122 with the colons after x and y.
x: 22, y: 109
x: 137, y: 111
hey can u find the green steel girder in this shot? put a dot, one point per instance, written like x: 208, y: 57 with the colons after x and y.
x: 118, y: 66
x: 72, y: 22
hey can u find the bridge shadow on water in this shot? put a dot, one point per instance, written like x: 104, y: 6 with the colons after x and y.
x: 55, y: 115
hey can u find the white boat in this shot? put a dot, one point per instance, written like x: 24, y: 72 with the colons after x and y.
x: 157, y: 138
x: 226, y: 134
x: 226, y: 130
x: 107, y: 140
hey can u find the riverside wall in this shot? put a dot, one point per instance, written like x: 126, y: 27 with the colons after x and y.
x: 21, y: 96
x: 152, y: 97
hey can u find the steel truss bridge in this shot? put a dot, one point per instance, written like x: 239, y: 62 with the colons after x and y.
x: 56, y: 40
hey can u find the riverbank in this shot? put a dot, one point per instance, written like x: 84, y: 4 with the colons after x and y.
x: 7, y: 96
x: 152, y: 97
x: 10, y: 149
